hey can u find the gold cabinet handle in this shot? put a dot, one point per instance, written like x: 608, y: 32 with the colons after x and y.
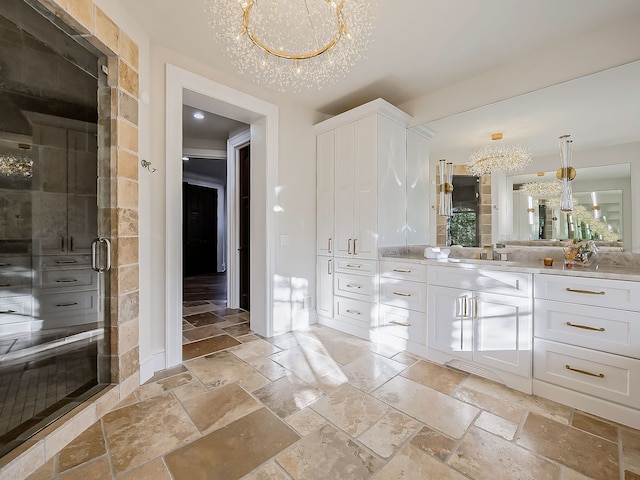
x: 329, y: 245
x: 351, y: 265
x: 329, y: 267
x: 349, y: 247
x: 402, y: 324
x: 353, y: 286
x: 402, y: 294
x: 584, y: 372
x: 584, y: 327
x: 354, y: 246
x: 353, y: 312
x: 401, y: 270
x: 587, y: 292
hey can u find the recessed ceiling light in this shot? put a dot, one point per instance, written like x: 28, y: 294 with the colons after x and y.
x: 185, y: 158
x: 198, y: 115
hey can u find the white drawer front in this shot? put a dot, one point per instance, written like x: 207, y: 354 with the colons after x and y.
x: 67, y: 303
x: 358, y: 266
x: 403, y: 294
x: 15, y: 264
x: 610, y: 377
x: 492, y: 281
x: 615, y: 331
x: 404, y: 324
x: 404, y: 271
x: 589, y: 291
x: 15, y: 309
x: 63, y: 261
x: 357, y: 312
x: 67, y: 279
x: 354, y: 286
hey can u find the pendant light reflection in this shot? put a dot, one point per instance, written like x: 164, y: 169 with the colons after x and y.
x: 566, y: 173
x: 445, y: 188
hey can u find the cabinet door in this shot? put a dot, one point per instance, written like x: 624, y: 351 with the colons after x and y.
x: 366, y: 188
x: 503, y: 332
x: 324, y: 302
x: 450, y: 327
x: 325, y: 165
x: 344, y: 189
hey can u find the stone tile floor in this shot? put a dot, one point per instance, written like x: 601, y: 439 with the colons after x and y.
x: 320, y: 404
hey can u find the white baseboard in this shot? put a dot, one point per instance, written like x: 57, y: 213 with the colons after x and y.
x: 146, y: 369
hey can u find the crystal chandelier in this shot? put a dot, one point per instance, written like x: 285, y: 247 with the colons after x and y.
x: 16, y: 164
x: 290, y: 44
x: 542, y: 189
x: 498, y: 156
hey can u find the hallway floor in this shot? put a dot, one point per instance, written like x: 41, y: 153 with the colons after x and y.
x: 320, y: 404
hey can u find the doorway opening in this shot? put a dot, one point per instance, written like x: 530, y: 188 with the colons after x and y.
x: 211, y: 320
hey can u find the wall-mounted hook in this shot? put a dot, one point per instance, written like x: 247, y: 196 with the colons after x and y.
x: 147, y: 164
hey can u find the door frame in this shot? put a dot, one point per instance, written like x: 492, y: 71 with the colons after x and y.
x: 234, y: 144
x: 185, y: 87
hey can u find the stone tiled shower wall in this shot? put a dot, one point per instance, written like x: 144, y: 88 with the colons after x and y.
x: 118, y: 172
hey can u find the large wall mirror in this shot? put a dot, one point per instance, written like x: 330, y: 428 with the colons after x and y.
x: 601, y: 112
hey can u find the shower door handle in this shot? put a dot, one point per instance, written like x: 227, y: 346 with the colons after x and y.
x: 94, y: 255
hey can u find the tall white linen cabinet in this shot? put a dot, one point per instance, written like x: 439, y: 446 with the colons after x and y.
x: 362, y: 193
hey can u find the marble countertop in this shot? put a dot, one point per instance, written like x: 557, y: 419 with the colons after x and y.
x: 612, y: 272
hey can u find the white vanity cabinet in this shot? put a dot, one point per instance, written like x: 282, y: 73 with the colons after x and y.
x: 361, y: 200
x: 403, y: 305
x: 481, y: 321
x: 587, y: 344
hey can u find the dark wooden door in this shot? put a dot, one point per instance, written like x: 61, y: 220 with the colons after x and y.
x: 200, y: 229
x: 243, y: 220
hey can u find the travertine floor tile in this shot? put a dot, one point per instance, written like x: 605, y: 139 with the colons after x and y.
x: 497, y: 425
x: 325, y: 454
x: 207, y: 346
x: 305, y: 362
x: 190, y: 390
x: 252, y: 350
x: 290, y: 339
x: 583, y: 452
x: 200, y: 333
x: 153, y: 470
x: 222, y: 368
x: 406, y: 358
x: 483, y: 456
x: 89, y: 445
x: 630, y: 449
x: 568, y: 474
x: 145, y: 430
x: 287, y: 395
x: 413, y: 464
x: 435, y: 376
x: 433, y: 408
x: 342, y: 351
x: 305, y: 421
x: 163, y: 386
x: 238, y: 330
x: 350, y: 409
x: 594, y: 425
x: 433, y: 443
x: 492, y: 404
x: 95, y: 470
x: 370, y: 371
x: 224, y: 453
x: 269, y: 471
x: 268, y: 368
x: 220, y: 407
x: 203, y: 317
x: 389, y: 433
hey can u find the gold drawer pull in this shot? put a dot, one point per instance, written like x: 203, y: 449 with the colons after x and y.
x: 585, y: 327
x: 351, y: 265
x: 401, y: 270
x: 353, y: 286
x: 584, y: 372
x: 402, y: 324
x: 353, y: 312
x: 400, y: 294
x: 588, y: 292
x: 70, y: 304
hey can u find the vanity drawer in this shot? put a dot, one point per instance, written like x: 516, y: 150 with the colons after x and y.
x: 75, y: 303
x: 15, y: 273
x: 356, y: 312
x: 355, y: 286
x: 351, y: 265
x: 492, y: 281
x: 603, y: 375
x: 615, y: 331
x: 403, y: 294
x: 63, y: 261
x: 404, y: 271
x: 67, y: 279
x: 403, y: 324
x: 15, y: 309
x: 588, y: 291
x: 17, y: 264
